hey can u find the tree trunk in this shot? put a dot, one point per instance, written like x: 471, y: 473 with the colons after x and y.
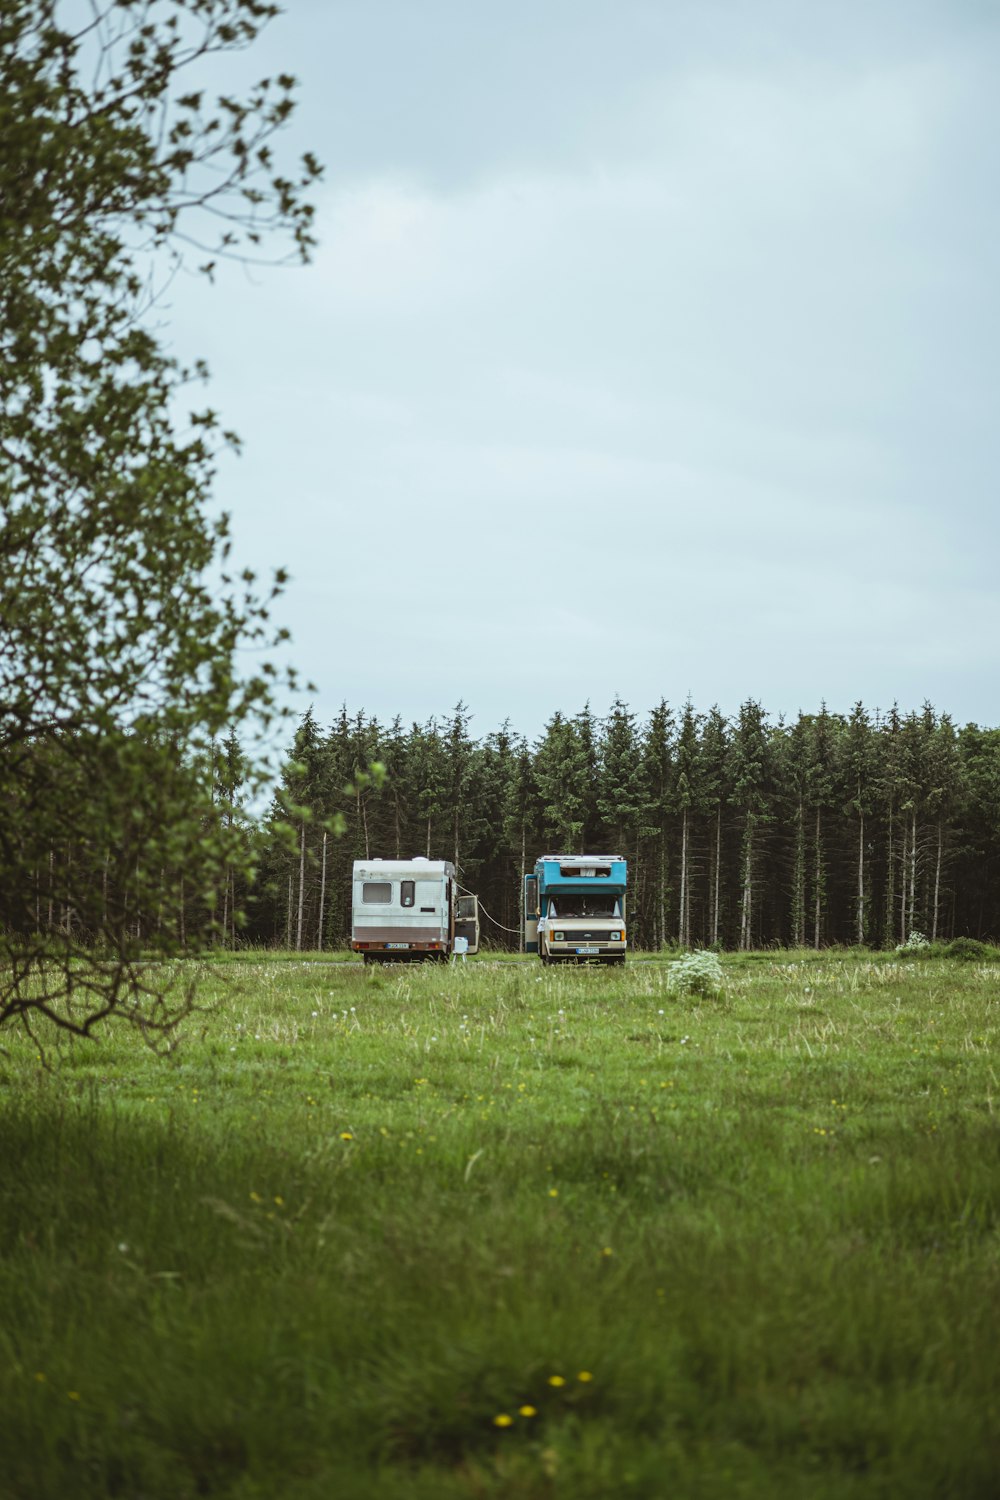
x: 661, y: 936
x: 322, y: 898
x: 302, y: 889
x: 861, y: 880
x: 718, y: 867
x: 799, y: 882
x: 913, y: 871
x: 683, y: 932
x: 890, y: 892
x: 937, y: 880
x: 524, y: 871
x: 818, y: 881
x: 746, y: 895
x: 904, y: 866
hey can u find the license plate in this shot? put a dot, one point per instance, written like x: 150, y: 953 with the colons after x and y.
x: 397, y: 945
x: 588, y: 950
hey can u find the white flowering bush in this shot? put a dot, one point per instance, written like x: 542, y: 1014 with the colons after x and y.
x: 915, y: 943
x: 697, y: 973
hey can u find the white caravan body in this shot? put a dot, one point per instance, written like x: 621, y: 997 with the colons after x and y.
x: 409, y: 908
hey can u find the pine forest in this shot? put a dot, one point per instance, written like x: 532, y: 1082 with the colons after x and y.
x: 741, y: 832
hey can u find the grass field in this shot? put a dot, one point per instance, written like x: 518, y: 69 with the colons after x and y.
x: 492, y: 1231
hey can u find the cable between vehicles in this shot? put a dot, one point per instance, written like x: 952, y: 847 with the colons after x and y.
x: 515, y: 930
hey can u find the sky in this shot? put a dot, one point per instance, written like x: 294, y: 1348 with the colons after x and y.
x: 651, y: 348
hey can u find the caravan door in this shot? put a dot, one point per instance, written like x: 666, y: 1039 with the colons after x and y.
x: 467, y: 920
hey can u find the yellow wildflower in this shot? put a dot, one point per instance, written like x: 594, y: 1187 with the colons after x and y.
x: 557, y: 1380
x: 527, y: 1411
x: 503, y: 1419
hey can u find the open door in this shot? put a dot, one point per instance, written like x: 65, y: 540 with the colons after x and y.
x: 531, y: 913
x: 467, y: 921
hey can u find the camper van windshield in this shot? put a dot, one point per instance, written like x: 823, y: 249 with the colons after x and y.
x: 583, y: 904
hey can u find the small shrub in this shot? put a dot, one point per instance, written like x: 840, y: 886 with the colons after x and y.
x: 915, y: 943
x: 698, y: 973
x: 969, y: 950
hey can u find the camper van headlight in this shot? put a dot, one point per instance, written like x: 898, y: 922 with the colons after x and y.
x: 614, y: 937
x: 558, y: 937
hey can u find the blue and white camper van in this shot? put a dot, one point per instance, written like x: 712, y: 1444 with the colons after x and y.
x: 574, y: 908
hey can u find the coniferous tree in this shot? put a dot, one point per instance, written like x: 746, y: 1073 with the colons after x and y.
x: 622, y: 796
x: 587, y: 736
x: 522, y: 819
x: 749, y: 770
x: 717, y: 792
x: 428, y: 772
x: 658, y: 762
x: 857, y: 779
x: 688, y: 798
x: 820, y: 769
x: 622, y: 792
x: 893, y: 792
x: 562, y: 765
x: 459, y: 767
x: 231, y: 769
x: 791, y: 748
x: 943, y: 769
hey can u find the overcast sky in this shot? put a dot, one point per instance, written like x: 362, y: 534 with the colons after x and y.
x: 651, y: 348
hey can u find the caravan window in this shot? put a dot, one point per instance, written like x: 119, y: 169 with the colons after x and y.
x: 406, y: 892
x: 376, y: 892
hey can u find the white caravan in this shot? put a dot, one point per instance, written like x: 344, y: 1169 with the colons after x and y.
x: 410, y: 909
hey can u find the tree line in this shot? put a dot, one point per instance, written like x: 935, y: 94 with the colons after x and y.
x: 740, y: 831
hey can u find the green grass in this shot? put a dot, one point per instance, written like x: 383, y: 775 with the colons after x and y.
x: 359, y: 1214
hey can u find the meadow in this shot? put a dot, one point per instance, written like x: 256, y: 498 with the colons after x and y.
x: 487, y: 1230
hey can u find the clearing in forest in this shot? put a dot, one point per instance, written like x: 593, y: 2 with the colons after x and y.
x: 486, y: 1231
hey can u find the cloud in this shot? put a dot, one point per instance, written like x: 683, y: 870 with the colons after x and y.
x: 713, y: 366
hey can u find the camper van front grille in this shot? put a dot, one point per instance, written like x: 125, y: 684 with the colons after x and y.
x: 604, y: 935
